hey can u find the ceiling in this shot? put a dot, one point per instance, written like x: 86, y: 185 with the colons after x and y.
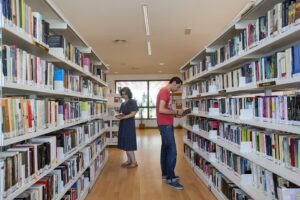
x: 100, y: 22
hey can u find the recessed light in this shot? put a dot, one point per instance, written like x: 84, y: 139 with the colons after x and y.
x: 119, y: 41
x: 116, y: 72
x: 135, y: 68
x: 187, y: 31
x: 149, y: 48
x: 161, y: 64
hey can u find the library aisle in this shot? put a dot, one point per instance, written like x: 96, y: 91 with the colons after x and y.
x: 144, y: 182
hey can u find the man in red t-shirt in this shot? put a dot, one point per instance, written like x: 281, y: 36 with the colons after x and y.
x: 165, y: 117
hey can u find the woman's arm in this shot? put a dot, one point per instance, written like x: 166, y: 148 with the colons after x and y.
x: 130, y: 115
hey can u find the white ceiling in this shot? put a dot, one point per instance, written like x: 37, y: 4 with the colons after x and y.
x: 101, y: 21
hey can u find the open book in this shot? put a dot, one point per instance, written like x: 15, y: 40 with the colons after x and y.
x: 186, y: 111
x: 117, y: 114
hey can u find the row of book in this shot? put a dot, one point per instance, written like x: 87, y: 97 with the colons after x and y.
x: 23, y: 162
x: 216, y: 178
x: 202, y: 143
x: 278, y: 66
x: 273, y: 22
x: 24, y: 68
x: 280, y: 109
x: 280, y: 147
x: 270, y: 184
x: 22, y: 116
x: 66, y: 81
x: 58, y: 45
x: 17, y: 13
x: 265, y: 143
x: 262, y: 179
x: 54, y: 184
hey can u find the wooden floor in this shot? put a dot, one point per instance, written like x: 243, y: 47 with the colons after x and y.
x: 144, y: 182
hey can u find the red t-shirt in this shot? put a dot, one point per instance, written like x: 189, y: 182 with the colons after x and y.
x: 164, y: 119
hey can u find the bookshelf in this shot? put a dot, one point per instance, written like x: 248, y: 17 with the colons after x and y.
x: 243, y: 89
x: 114, y: 104
x: 53, y: 99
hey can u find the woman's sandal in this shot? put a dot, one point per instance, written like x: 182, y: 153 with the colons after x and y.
x: 125, y: 164
x: 132, y: 165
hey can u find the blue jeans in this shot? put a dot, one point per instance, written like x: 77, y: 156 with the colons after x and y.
x: 168, y: 151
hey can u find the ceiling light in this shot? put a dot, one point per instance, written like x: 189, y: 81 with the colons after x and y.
x: 146, y: 20
x: 187, y: 31
x: 149, y: 48
x: 161, y: 64
x: 116, y: 72
x: 119, y: 41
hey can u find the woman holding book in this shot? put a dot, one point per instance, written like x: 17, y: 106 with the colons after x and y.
x: 127, y: 134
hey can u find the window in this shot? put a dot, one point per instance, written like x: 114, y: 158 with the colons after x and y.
x: 144, y: 92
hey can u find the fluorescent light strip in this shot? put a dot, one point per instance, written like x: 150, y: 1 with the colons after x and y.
x: 149, y: 48
x: 146, y: 20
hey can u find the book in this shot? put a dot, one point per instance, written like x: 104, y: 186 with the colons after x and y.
x: 186, y: 111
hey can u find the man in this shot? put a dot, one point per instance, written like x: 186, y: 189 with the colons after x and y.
x: 165, y: 117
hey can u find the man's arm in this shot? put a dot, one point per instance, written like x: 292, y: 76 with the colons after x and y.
x: 162, y: 109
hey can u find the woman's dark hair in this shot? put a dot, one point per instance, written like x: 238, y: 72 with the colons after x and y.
x: 127, y: 91
x: 176, y: 79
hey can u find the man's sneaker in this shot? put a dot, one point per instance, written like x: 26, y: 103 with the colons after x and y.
x: 164, y: 178
x: 175, y: 184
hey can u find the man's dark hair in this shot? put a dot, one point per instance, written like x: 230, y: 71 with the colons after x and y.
x: 127, y: 91
x: 176, y: 79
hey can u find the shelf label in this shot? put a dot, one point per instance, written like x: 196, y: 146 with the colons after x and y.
x: 266, y: 84
x: 41, y: 46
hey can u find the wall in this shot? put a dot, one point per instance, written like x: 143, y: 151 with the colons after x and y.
x: 112, y: 78
x: 111, y: 85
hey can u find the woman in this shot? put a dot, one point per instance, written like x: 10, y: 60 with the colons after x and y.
x: 127, y: 135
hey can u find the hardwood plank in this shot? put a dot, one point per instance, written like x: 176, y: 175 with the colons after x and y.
x: 144, y: 182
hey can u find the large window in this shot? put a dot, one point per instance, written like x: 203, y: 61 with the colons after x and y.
x: 144, y: 92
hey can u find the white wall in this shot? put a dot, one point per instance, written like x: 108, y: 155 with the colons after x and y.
x: 111, y: 85
x: 112, y: 78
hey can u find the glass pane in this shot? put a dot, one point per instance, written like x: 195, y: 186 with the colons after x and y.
x: 154, y: 87
x: 138, y: 89
x: 145, y: 113
x: 152, y: 113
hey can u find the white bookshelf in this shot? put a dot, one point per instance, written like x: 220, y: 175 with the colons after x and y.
x: 281, y: 40
x: 268, y: 164
x: 66, y: 157
x: 114, y: 103
x: 13, y: 35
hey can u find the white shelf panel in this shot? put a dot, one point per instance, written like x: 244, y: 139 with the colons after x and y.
x: 84, y: 194
x: 202, y: 176
x: 16, y: 88
x: 37, y: 178
x: 21, y: 138
x: 267, y: 125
